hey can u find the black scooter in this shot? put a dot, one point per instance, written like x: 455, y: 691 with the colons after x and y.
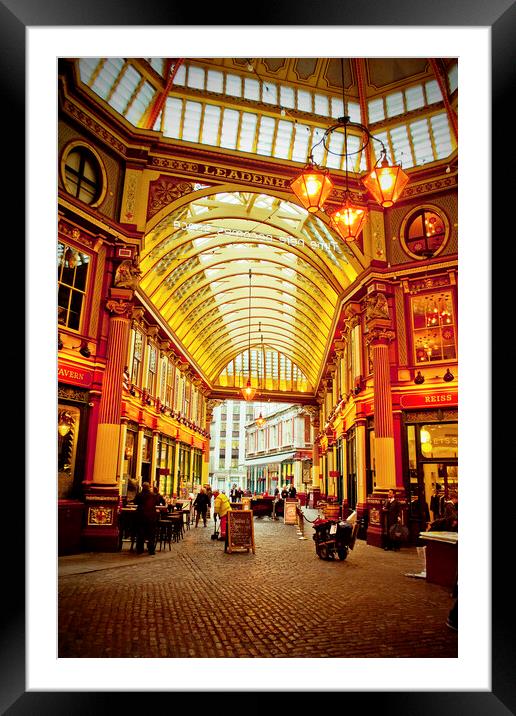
x: 334, y: 537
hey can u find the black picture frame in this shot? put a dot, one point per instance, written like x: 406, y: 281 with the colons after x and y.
x: 500, y: 17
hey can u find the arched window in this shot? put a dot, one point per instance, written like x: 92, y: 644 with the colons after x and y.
x: 425, y: 232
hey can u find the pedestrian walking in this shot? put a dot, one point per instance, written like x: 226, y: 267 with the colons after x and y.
x: 201, y: 503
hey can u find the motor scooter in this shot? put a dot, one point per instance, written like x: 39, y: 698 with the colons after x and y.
x: 335, y: 537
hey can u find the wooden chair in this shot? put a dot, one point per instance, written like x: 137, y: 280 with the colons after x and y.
x: 165, y: 533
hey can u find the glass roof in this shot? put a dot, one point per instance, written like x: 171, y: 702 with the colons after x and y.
x: 219, y: 108
x: 195, y: 269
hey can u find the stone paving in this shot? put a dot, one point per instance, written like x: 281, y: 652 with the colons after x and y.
x: 197, y: 601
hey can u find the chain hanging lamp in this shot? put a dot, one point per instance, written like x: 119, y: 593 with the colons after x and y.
x: 248, y: 391
x: 385, y: 182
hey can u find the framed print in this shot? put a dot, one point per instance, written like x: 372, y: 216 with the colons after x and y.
x: 61, y: 31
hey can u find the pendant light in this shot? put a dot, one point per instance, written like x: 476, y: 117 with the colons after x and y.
x: 312, y: 187
x: 249, y: 392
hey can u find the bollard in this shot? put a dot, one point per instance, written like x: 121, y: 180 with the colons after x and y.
x: 301, y: 525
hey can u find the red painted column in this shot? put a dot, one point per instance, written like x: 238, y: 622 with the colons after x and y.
x: 102, y: 492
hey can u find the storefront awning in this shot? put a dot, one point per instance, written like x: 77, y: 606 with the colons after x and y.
x: 268, y: 459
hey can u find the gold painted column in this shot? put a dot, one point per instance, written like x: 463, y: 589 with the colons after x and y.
x: 361, y: 437
x: 102, y: 493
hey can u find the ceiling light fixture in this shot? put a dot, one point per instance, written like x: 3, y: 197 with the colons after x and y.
x: 249, y: 392
x: 312, y: 187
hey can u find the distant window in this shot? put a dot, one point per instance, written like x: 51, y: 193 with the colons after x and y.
x: 424, y: 232
x: 83, y: 174
x: 72, y: 273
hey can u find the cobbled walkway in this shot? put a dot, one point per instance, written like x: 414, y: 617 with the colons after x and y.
x: 197, y: 601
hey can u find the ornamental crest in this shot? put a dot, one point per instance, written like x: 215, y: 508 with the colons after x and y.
x: 164, y: 191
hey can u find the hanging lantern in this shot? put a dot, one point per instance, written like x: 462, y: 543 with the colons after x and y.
x: 312, y: 187
x: 348, y: 220
x: 248, y: 392
x: 386, y: 182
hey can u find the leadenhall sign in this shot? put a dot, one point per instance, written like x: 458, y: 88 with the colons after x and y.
x: 201, y: 170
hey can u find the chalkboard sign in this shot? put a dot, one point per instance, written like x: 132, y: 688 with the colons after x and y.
x: 290, y: 511
x: 240, y: 532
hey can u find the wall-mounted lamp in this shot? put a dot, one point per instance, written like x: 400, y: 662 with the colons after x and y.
x: 84, y: 350
x: 419, y: 379
x: 448, y: 376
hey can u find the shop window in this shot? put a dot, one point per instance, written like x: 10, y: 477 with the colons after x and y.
x: 425, y: 232
x: 151, y: 374
x: 83, y: 174
x: 72, y: 274
x: 433, y: 327
x: 67, y: 433
x: 137, y: 357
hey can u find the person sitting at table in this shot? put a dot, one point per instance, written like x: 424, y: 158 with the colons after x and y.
x: 146, y: 519
x: 161, y: 499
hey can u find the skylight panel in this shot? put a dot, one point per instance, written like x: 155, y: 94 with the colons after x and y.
x: 173, y: 111
x: 304, y: 101
x: 354, y: 112
x: 336, y: 144
x: 107, y: 77
x: 247, y: 132
x: 210, y: 125
x: 196, y: 77
x: 158, y: 64
x: 125, y: 89
x: 421, y: 141
x: 270, y: 93
x: 318, y: 152
x: 192, y: 121
x: 287, y: 97
x: 453, y: 77
x: 229, y: 129
x: 87, y: 67
x: 433, y: 93
x: 180, y: 76
x: 215, y: 81
x: 337, y: 107
x: 321, y: 105
x: 377, y: 147
x: 401, y: 146
x: 441, y: 134
x: 301, y: 139
x: 140, y: 103
x: 265, y: 136
x: 234, y: 85
x: 251, y: 89
x: 376, y: 110
x: 414, y: 97
x: 394, y: 102
x: 283, y: 137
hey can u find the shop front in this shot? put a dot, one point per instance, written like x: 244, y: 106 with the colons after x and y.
x: 73, y: 412
x: 431, y: 471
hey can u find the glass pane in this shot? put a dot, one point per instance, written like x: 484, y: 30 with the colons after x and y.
x: 414, y: 97
x: 287, y: 97
x: 210, y: 127
x: 192, y: 121
x: 229, y: 129
x: 321, y: 105
x: 251, y: 89
x: 376, y: 111
x: 433, y: 93
x: 195, y: 77
x: 270, y: 93
x: 265, y: 136
x: 173, y: 111
x: 234, y: 85
x: 247, y: 132
x: 283, y: 135
x: 394, y: 104
x: 215, y: 81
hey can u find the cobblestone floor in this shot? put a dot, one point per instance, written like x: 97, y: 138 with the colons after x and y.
x: 124, y: 605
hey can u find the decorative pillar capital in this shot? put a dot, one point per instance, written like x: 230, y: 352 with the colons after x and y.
x: 119, y: 307
x: 380, y: 335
